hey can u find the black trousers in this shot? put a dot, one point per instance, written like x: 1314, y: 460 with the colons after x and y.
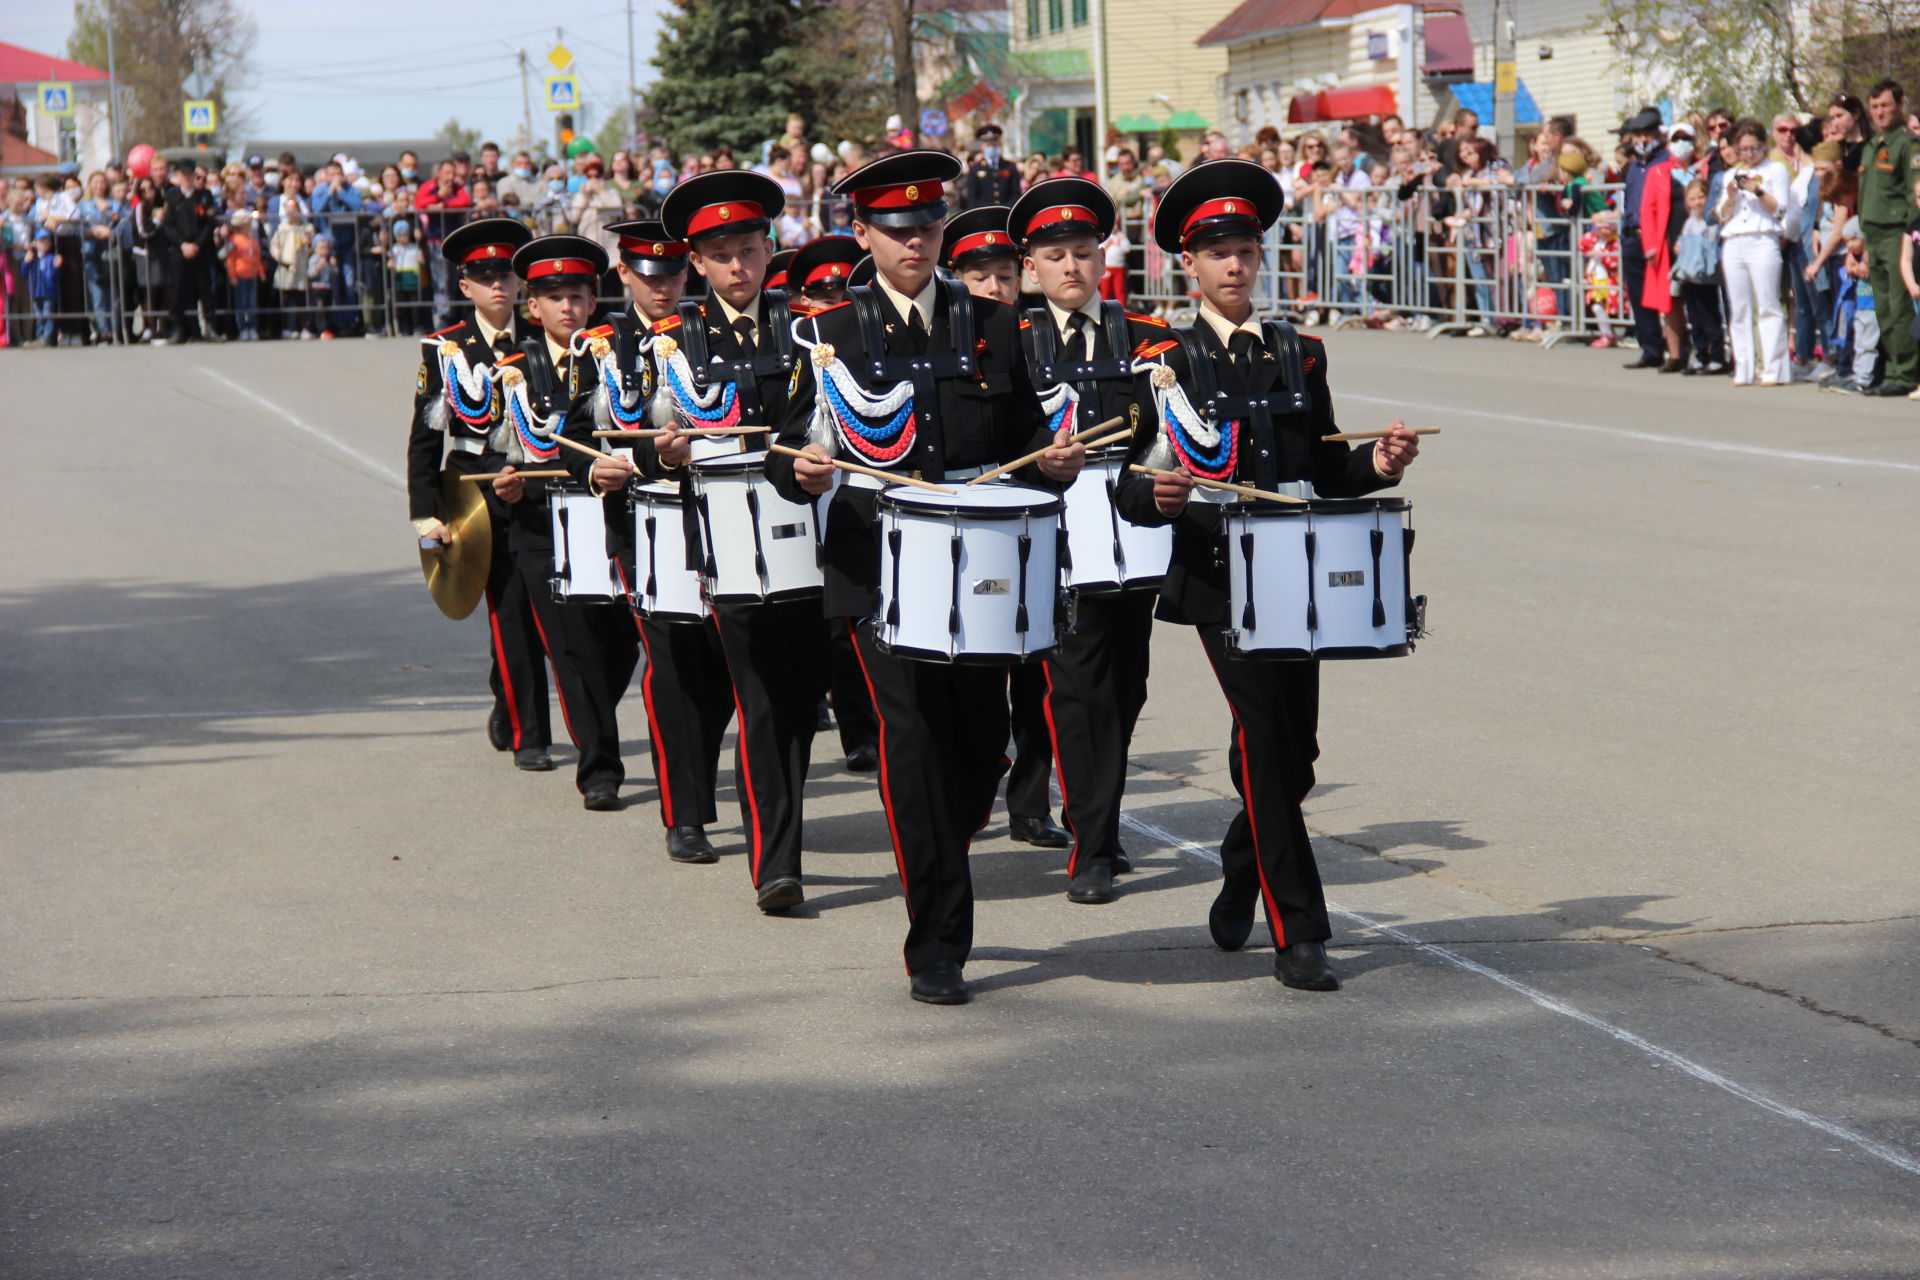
x: 1646, y: 321
x: 852, y: 704
x: 943, y: 732
x: 594, y: 650
x: 1096, y: 685
x: 1705, y: 330
x: 1276, y: 715
x: 517, y: 673
x: 192, y: 282
x: 777, y: 658
x: 1027, y: 792
x: 689, y: 700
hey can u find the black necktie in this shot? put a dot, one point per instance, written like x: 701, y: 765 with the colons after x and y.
x: 502, y: 346
x: 1078, y: 347
x: 917, y: 334
x: 1240, y: 347
x: 744, y: 327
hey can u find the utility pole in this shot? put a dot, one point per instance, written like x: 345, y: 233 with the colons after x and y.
x: 906, y: 100
x: 632, y: 126
x: 1506, y: 78
x: 1100, y: 89
x: 526, y: 103
x: 113, y: 89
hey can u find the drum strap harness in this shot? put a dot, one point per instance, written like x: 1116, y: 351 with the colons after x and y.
x: 623, y: 403
x: 525, y: 433
x: 1208, y: 440
x: 1073, y: 390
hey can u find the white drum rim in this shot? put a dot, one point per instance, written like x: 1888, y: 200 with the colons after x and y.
x: 977, y: 502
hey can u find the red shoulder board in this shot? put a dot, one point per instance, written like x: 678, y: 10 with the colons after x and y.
x: 1147, y: 350
x: 506, y: 360
x: 803, y: 306
x: 980, y: 346
x: 1308, y: 364
x: 1152, y: 320
x: 671, y: 322
x: 449, y: 329
x: 604, y: 331
x: 835, y: 307
x: 1025, y: 323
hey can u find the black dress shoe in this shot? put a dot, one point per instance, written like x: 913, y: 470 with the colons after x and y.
x: 1121, y: 863
x: 1092, y: 883
x: 1230, y: 919
x: 1041, y: 832
x: 689, y: 844
x: 864, y: 758
x: 822, y: 717
x: 601, y: 796
x: 500, y: 730
x: 941, y: 983
x: 1642, y: 364
x: 1892, y: 388
x: 777, y: 896
x: 532, y: 759
x: 1303, y: 966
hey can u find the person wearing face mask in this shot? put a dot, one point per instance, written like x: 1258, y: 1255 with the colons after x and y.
x: 1648, y: 230
x: 990, y: 178
x: 520, y: 182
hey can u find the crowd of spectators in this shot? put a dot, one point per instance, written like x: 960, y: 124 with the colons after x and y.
x: 1718, y: 245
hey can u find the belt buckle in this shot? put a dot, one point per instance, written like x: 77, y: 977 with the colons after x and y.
x: 915, y: 475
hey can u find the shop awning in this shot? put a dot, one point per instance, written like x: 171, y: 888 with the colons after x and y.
x: 1478, y: 98
x: 1449, y: 45
x: 1137, y: 124
x: 1355, y: 103
x: 1187, y: 120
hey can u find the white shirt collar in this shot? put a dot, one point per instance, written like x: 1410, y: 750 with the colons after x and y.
x: 558, y: 350
x: 923, y: 304
x: 1224, y: 328
x: 491, y: 334
x: 1090, y: 309
x: 726, y: 309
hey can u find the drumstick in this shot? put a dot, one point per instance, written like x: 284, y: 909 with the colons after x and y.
x: 1376, y: 435
x: 1078, y: 437
x: 518, y: 475
x: 865, y: 471
x: 698, y: 431
x: 1245, y: 490
x: 587, y: 449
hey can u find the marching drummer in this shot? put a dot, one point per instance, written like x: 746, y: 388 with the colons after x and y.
x: 776, y: 650
x: 1267, y: 432
x: 685, y: 690
x: 1080, y: 355
x: 985, y: 258
x: 591, y: 645
x: 926, y: 380
x: 457, y: 415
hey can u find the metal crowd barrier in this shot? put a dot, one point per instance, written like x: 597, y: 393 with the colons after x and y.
x: 1504, y: 258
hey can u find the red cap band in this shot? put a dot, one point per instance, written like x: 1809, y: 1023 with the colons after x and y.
x: 1225, y: 206
x: 984, y: 240
x: 827, y: 271
x: 903, y: 195
x: 561, y: 267
x: 718, y: 215
x: 486, y: 251
x: 653, y: 248
x: 775, y: 280
x: 1061, y: 213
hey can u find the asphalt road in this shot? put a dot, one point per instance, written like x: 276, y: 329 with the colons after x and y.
x: 301, y: 979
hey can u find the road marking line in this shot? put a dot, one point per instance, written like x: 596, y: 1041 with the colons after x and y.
x: 1706, y: 1075
x: 250, y: 715
x: 1649, y: 437
x: 380, y: 469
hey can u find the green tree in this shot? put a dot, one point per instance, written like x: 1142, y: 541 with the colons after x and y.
x: 460, y: 138
x: 157, y: 44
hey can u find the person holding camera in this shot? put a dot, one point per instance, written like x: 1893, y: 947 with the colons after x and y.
x: 1752, y: 203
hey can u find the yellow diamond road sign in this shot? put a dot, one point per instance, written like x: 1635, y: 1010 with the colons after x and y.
x: 560, y: 56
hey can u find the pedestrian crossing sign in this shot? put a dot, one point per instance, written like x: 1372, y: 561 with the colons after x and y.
x: 200, y: 116
x: 56, y: 98
x: 563, y: 93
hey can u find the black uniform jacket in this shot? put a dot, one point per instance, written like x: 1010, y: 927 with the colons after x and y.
x: 984, y: 184
x: 424, y: 442
x: 1102, y: 399
x: 989, y: 417
x: 625, y: 332
x: 551, y: 388
x: 1195, y: 589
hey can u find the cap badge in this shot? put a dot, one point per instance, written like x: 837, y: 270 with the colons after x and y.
x: 1231, y: 208
x: 913, y: 192
x: 725, y: 213
x: 990, y: 239
x: 659, y: 249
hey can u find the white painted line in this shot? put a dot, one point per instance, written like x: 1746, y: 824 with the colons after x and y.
x: 366, y: 460
x: 1706, y: 1075
x: 251, y: 715
x: 1647, y: 437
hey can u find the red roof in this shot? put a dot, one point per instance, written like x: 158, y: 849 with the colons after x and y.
x: 16, y: 153
x: 1257, y: 17
x: 1355, y: 103
x: 25, y: 66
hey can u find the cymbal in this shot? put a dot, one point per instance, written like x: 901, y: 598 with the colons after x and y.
x: 457, y: 576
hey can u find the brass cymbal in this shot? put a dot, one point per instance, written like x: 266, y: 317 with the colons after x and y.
x: 457, y: 576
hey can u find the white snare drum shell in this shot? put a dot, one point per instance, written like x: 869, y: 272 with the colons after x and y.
x: 1327, y: 580
x: 1106, y: 552
x: 969, y: 578
x: 666, y: 588
x: 584, y: 567
x: 756, y: 545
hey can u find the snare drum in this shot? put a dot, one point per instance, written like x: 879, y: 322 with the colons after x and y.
x: 757, y: 546
x: 1328, y: 579
x: 1106, y: 552
x: 968, y: 577
x: 665, y: 589
x: 584, y: 566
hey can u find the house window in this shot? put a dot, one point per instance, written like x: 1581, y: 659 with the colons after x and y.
x: 1079, y: 13
x: 1056, y: 14
x: 1033, y: 18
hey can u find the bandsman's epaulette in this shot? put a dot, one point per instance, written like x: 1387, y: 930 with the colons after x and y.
x: 1156, y: 321
x: 835, y: 307
x: 1148, y: 349
x: 1025, y: 323
x: 671, y: 322
x: 449, y: 329
x: 506, y: 360
x: 604, y: 331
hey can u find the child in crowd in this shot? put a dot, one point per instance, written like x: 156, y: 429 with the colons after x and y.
x: 1696, y: 279
x: 406, y: 277
x: 1866, y: 321
x: 794, y: 228
x: 1600, y: 252
x: 289, y: 249
x: 1113, y: 282
x: 323, y: 278
x: 43, y: 286
x: 245, y: 269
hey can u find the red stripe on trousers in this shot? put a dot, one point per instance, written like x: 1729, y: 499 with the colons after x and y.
x: 559, y: 689
x: 746, y: 764
x: 653, y: 732
x: 506, y: 674
x: 1246, y: 803
x: 886, y: 788
x: 1066, y: 801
